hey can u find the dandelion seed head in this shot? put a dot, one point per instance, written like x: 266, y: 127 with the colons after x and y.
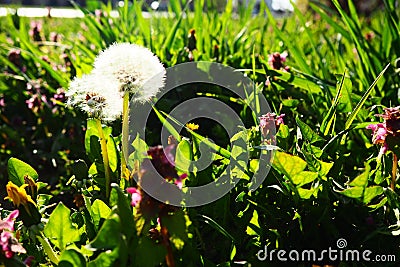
x: 136, y: 69
x: 97, y: 97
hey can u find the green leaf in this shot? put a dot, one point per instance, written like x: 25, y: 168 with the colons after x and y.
x: 283, y: 131
x: 324, y: 168
x: 254, y: 227
x: 99, y: 210
x: 362, y: 179
x: 345, y: 96
x: 123, y: 209
x: 177, y: 225
x: 307, y: 132
x: 149, y: 247
x: 330, y: 116
x: 304, y: 177
x: 112, y: 153
x: 363, y: 99
x: 353, y: 192
x: 92, y: 139
x: 17, y: 169
x: 183, y: 156
x: 371, y: 192
x: 59, y: 229
x: 287, y: 164
x: 109, y: 234
x: 290, y: 103
x: 71, y: 258
x: 80, y: 169
x: 306, y: 193
x: 303, y: 83
x: 140, y: 149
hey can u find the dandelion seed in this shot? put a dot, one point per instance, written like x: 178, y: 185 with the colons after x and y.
x: 134, y: 68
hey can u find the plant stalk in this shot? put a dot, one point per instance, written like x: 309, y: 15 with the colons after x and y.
x: 125, y: 136
x: 104, y: 154
x: 394, y: 172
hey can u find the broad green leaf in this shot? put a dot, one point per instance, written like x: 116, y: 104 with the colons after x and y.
x: 147, y: 246
x: 304, y: 177
x: 362, y: 179
x: 240, y: 151
x: 59, y: 229
x: 287, y: 164
x: 307, y: 132
x: 183, y: 157
x: 353, y: 192
x: 371, y: 192
x: 106, y: 258
x: 80, y: 169
x: 109, y: 234
x: 303, y: 83
x: 379, y: 204
x: 72, y: 258
x: 283, y: 131
x: 140, y: 149
x: 99, y: 211
x: 290, y: 103
x: 123, y: 208
x: 177, y: 225
x: 17, y: 169
x: 306, y: 193
x: 324, y: 168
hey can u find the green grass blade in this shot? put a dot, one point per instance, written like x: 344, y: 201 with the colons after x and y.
x: 363, y: 99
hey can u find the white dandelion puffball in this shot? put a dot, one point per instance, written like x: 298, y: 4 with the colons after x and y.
x: 135, y: 68
x: 88, y: 93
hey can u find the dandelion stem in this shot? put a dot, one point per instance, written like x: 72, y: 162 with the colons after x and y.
x: 104, y: 153
x: 125, y: 134
x: 394, y: 172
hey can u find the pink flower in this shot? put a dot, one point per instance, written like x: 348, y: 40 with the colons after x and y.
x: 8, y: 223
x: 379, y: 134
x: 279, y: 120
x: 276, y: 60
x: 179, y: 180
x: 136, y: 196
x: 389, y: 129
x: 4, y: 238
x: 268, y: 121
x: 8, y: 243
